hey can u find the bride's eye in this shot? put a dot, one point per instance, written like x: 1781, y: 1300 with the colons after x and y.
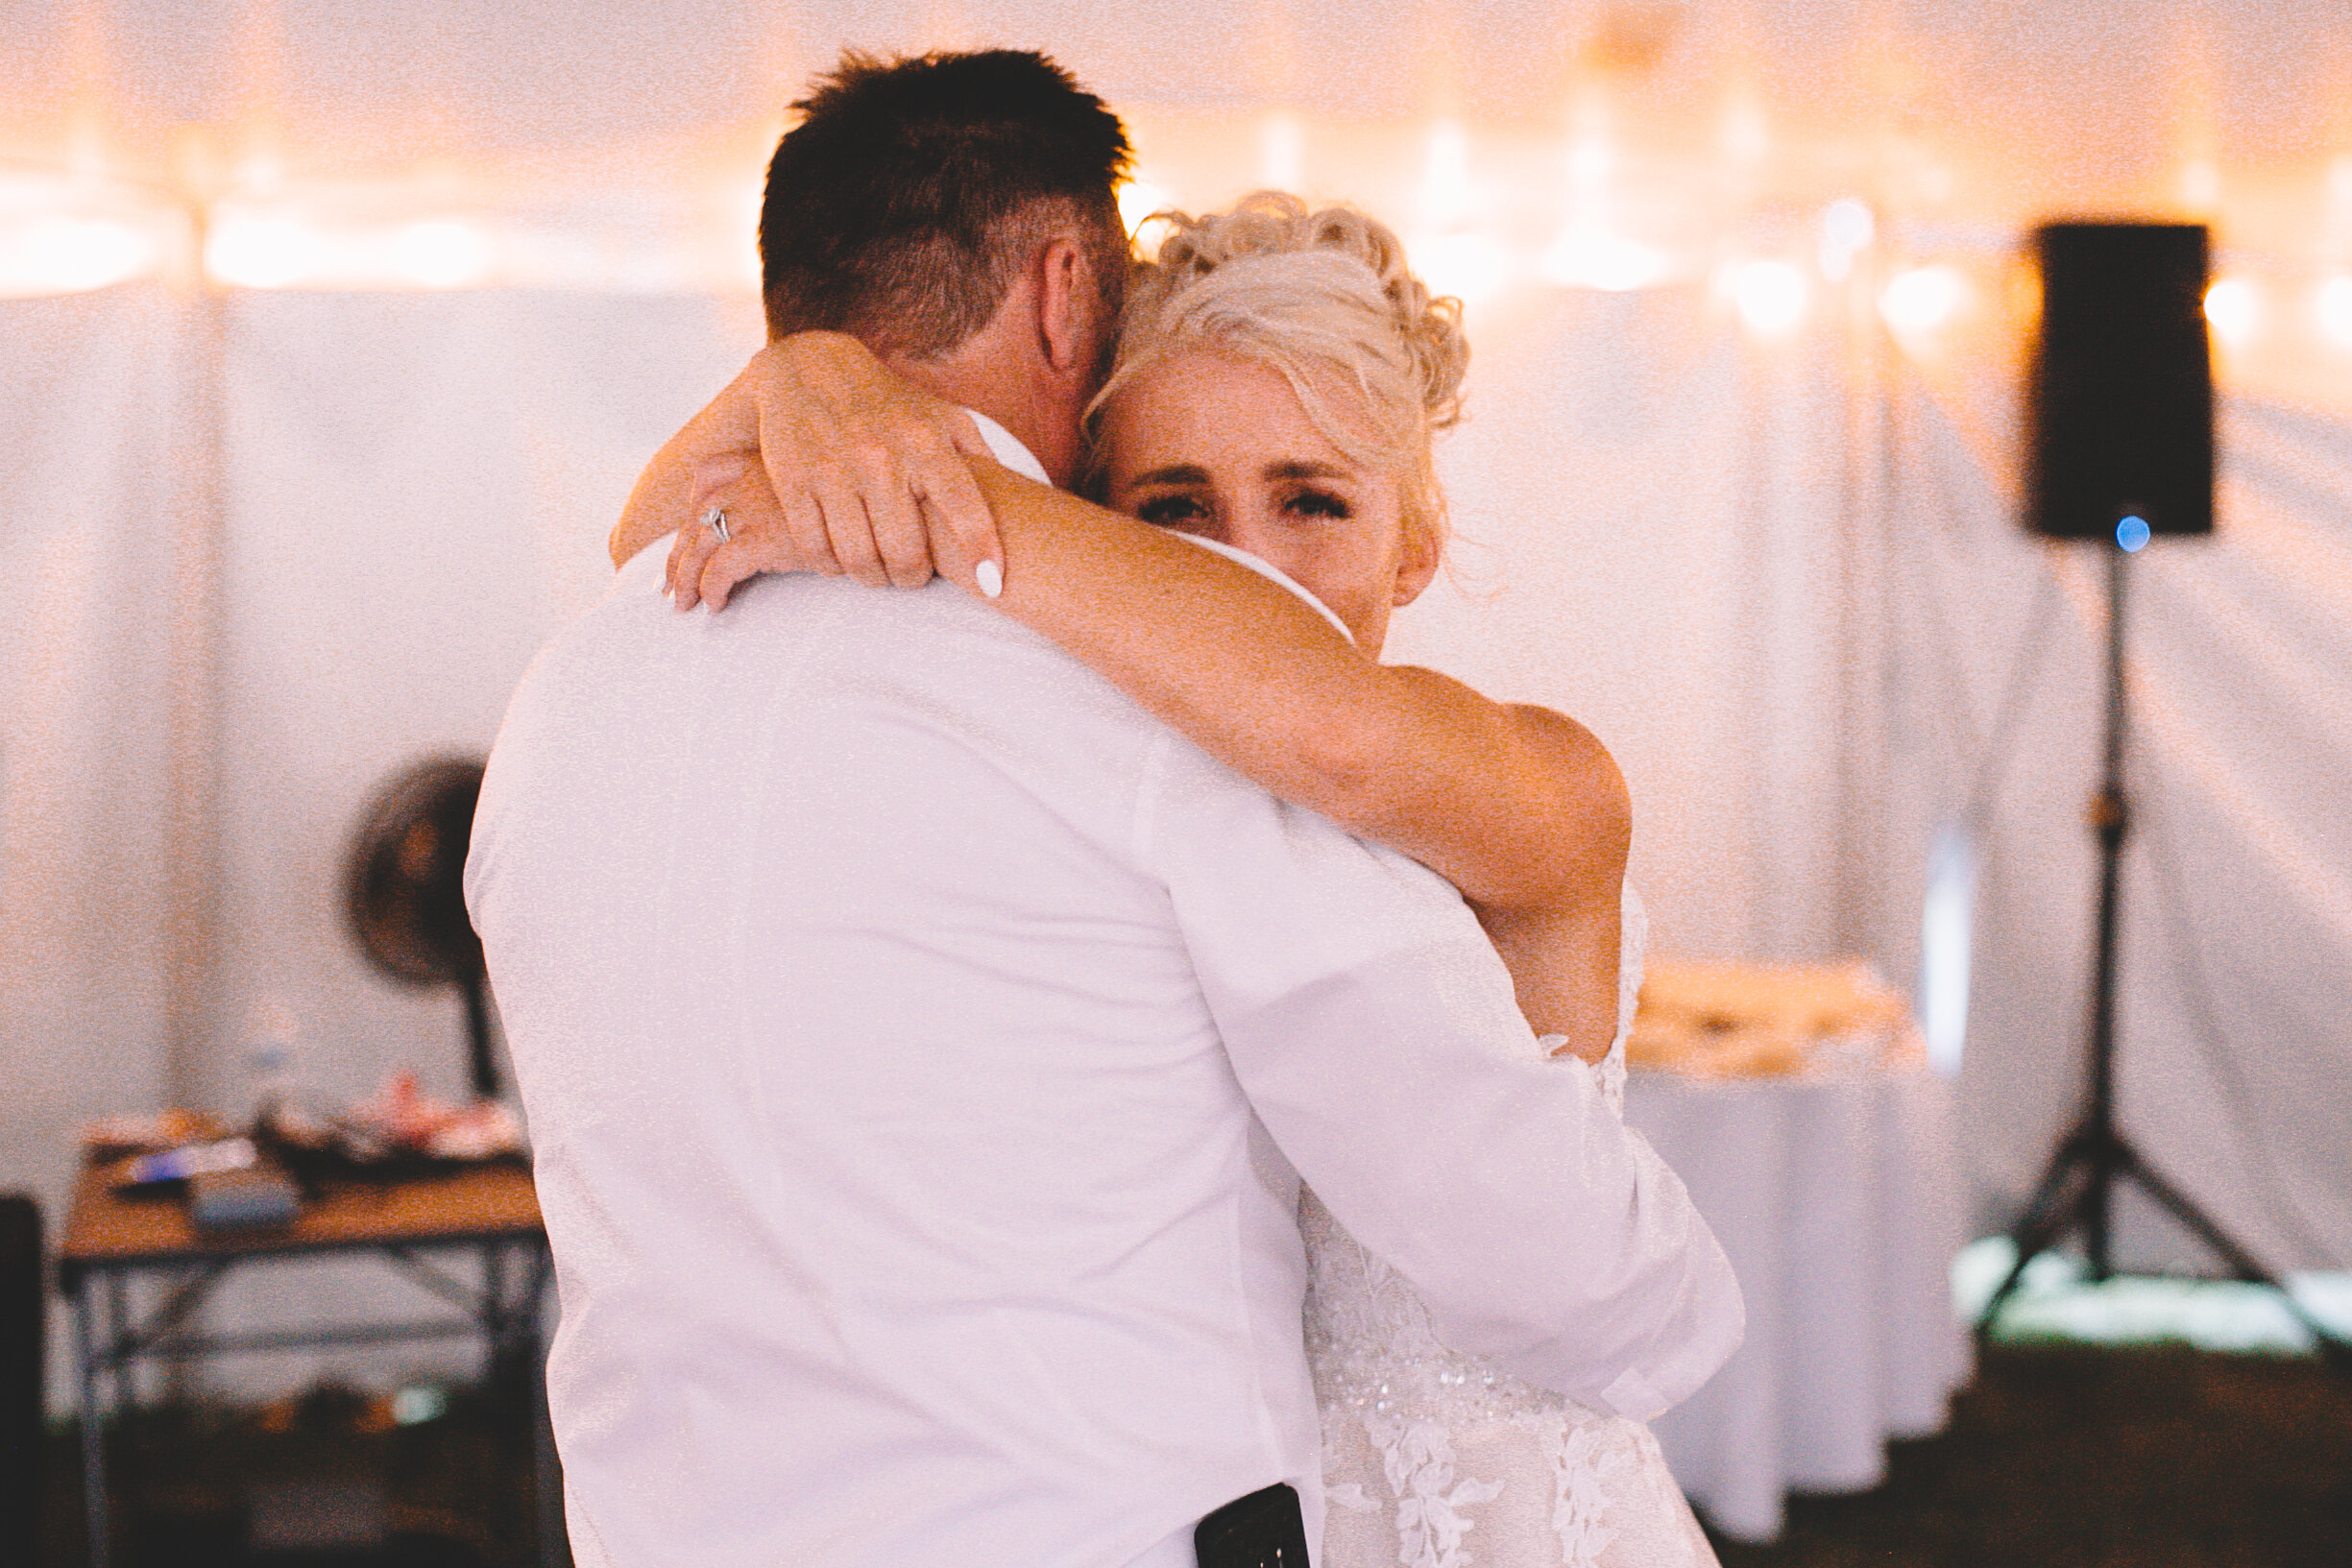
x: 1167, y: 510
x: 1321, y: 503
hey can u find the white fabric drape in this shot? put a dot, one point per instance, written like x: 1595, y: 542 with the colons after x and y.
x: 1795, y: 639
x: 89, y: 405
x: 1835, y: 1201
x: 412, y: 495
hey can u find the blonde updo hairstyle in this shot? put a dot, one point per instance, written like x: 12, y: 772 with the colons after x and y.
x: 1324, y: 298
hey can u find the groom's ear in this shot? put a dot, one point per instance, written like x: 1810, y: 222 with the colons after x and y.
x: 1068, y: 334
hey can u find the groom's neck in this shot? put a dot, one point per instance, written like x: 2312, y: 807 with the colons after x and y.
x: 1018, y: 371
x: 1038, y: 411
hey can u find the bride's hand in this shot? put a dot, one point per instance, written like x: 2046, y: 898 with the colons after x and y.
x: 825, y: 460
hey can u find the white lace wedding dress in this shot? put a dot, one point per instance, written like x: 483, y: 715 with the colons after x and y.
x: 1433, y: 1459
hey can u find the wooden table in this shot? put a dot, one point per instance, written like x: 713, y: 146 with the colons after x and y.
x: 491, y: 1211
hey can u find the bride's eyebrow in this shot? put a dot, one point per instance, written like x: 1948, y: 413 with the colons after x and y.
x: 1304, y: 470
x: 1175, y: 474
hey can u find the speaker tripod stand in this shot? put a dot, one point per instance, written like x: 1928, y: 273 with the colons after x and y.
x: 2078, y: 1190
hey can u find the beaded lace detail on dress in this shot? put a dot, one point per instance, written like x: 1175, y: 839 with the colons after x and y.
x: 1435, y: 1459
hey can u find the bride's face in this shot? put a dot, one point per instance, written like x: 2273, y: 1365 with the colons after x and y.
x: 1218, y: 446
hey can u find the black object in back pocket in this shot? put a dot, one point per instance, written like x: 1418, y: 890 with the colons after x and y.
x: 1261, y: 1530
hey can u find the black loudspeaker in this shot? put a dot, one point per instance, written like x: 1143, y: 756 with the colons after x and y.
x: 2123, y: 386
x: 24, y: 1299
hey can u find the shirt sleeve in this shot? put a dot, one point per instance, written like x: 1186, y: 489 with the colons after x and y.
x: 1374, y: 1031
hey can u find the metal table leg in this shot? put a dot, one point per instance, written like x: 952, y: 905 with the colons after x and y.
x: 494, y: 1318
x: 546, y: 1477
x: 93, y: 1444
x: 546, y: 1474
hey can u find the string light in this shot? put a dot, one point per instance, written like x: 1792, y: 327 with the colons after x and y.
x: 1452, y: 256
x: 1447, y: 191
x: 2200, y: 184
x: 1138, y: 200
x: 263, y: 253
x: 1771, y: 295
x: 1593, y: 260
x: 71, y: 255
x: 2234, y: 309
x: 2334, y: 306
x: 1281, y: 153
x: 1466, y: 264
x: 1847, y: 229
x: 1918, y: 300
x: 57, y: 237
x: 443, y: 254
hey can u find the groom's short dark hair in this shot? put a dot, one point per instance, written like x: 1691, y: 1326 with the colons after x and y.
x: 911, y: 192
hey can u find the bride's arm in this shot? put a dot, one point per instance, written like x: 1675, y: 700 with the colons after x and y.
x: 1520, y: 807
x: 864, y: 445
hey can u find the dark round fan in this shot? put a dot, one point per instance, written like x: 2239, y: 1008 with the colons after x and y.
x: 404, y: 891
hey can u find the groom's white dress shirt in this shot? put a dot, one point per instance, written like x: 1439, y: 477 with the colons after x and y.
x: 922, y: 1046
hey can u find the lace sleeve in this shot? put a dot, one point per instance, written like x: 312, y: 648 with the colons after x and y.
x: 1634, y: 936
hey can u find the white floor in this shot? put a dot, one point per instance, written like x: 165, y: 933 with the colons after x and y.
x: 2054, y: 1302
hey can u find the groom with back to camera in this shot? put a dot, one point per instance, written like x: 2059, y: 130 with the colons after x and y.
x: 923, y: 1045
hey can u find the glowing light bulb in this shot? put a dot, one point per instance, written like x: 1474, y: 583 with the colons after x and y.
x: 1746, y: 138
x: 2234, y: 309
x: 1138, y: 201
x: 442, y: 254
x: 1466, y: 264
x: 1922, y: 300
x: 2335, y: 304
x: 263, y: 253
x: 1771, y: 295
x: 1847, y: 228
x: 1446, y: 192
x: 1281, y: 153
x: 2200, y: 184
x: 1594, y: 261
x: 68, y: 255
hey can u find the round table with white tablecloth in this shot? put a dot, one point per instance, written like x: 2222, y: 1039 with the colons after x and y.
x: 1835, y: 1195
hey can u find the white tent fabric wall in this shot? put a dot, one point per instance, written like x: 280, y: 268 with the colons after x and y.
x: 415, y: 496
x: 2234, y: 986
x: 1649, y: 524
x: 87, y: 410
x: 1796, y: 648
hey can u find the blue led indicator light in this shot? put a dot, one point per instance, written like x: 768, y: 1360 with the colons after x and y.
x: 2131, y: 533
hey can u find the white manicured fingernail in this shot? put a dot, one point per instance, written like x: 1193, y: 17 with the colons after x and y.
x: 991, y: 578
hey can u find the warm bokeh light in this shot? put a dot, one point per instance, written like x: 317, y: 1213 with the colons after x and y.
x: 1604, y: 261
x: 1466, y: 264
x: 1771, y: 295
x: 1847, y: 229
x: 2200, y: 184
x: 1448, y: 196
x: 1484, y: 210
x: 2234, y: 309
x: 1138, y: 199
x: 1281, y: 153
x: 263, y: 253
x: 2334, y: 306
x: 1921, y: 299
x: 70, y: 255
x: 443, y: 254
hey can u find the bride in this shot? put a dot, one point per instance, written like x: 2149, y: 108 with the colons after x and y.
x: 1278, y: 375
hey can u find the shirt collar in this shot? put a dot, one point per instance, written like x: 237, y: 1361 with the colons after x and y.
x: 1006, y: 449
